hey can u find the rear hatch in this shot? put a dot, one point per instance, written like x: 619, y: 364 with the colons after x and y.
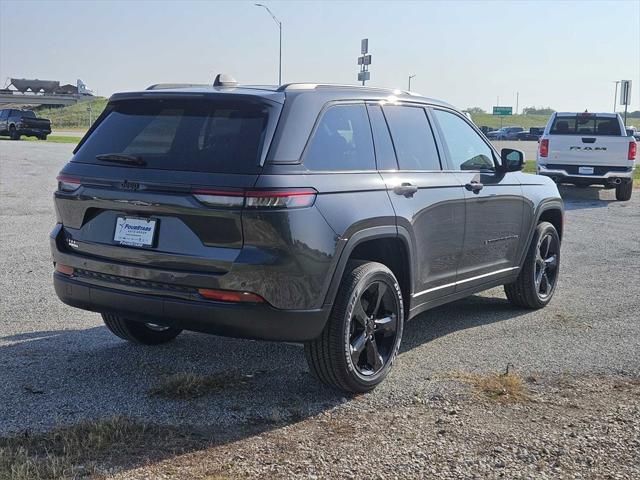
x: 587, y: 140
x: 134, y: 190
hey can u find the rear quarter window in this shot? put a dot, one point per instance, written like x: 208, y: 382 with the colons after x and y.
x: 341, y: 141
x: 187, y: 135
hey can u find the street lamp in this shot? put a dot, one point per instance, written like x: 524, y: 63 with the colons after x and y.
x: 279, y: 23
x: 410, y: 77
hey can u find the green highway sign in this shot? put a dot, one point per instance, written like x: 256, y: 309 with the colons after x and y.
x: 502, y: 111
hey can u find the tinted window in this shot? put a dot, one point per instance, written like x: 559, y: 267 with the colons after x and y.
x: 341, y: 141
x: 4, y: 113
x: 585, y: 124
x: 385, y: 155
x: 192, y: 135
x: 466, y: 148
x: 412, y: 138
x: 27, y: 114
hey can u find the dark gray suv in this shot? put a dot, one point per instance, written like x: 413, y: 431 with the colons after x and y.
x: 321, y: 214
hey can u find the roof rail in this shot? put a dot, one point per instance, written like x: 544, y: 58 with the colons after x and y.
x: 313, y: 86
x: 163, y: 86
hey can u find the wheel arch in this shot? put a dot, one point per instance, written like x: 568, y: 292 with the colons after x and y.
x: 389, y: 245
x: 551, y: 211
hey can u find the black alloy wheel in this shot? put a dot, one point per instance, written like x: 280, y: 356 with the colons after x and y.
x: 546, y: 269
x: 362, y: 336
x: 373, y: 328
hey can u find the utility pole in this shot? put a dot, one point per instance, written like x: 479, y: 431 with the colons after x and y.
x: 517, y: 101
x: 279, y: 23
x: 410, y: 77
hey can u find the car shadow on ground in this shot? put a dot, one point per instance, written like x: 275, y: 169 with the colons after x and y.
x: 57, y: 378
x: 578, y: 198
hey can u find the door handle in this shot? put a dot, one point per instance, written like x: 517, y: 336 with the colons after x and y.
x: 405, y: 189
x: 474, y: 186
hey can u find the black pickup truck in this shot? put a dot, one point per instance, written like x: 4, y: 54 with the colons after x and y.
x: 16, y: 123
x: 534, y: 133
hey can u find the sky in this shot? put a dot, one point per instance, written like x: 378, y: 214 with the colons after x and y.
x: 565, y: 55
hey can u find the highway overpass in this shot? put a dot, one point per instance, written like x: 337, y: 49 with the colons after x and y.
x: 10, y: 99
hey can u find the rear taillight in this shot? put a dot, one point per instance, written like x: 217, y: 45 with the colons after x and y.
x: 544, y: 147
x: 285, y: 198
x: 64, y: 269
x: 633, y: 149
x: 230, y: 296
x: 68, y: 184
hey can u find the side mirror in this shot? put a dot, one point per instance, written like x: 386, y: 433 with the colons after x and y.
x: 512, y: 160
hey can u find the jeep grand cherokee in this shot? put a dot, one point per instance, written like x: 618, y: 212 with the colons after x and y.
x: 321, y: 214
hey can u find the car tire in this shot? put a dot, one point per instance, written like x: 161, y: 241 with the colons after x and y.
x: 42, y: 137
x: 139, y: 332
x: 13, y: 133
x: 624, y: 191
x: 360, y: 341
x: 538, y: 278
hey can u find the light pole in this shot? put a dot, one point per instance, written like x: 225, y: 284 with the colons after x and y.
x: 279, y: 23
x: 615, y: 95
x: 410, y: 77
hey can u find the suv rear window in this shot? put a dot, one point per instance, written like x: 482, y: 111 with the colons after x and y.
x: 188, y: 135
x: 582, y: 124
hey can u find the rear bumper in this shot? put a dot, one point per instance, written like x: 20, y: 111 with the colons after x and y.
x: 256, y: 321
x: 35, y: 132
x: 602, y: 177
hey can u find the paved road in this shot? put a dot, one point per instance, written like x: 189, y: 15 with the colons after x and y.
x: 59, y: 364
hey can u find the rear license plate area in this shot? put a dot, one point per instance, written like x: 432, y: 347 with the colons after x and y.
x: 135, y: 231
x: 585, y: 170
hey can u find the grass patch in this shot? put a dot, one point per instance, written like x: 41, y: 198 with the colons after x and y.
x: 529, y: 166
x: 503, y: 387
x: 73, y: 116
x: 50, y: 139
x: 524, y: 121
x: 71, y: 452
x: 185, y: 386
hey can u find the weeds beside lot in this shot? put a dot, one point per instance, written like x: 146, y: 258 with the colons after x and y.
x: 70, y: 452
x: 185, y: 386
x: 504, y: 387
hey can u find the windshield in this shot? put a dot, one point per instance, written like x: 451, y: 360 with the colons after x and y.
x: 185, y: 134
x: 588, y: 124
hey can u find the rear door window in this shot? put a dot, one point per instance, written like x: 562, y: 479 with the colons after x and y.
x: 188, y: 135
x: 412, y: 137
x: 585, y: 124
x: 341, y: 140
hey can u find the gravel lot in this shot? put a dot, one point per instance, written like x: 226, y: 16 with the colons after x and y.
x: 579, y: 357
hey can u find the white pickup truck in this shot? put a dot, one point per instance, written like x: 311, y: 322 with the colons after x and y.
x: 588, y: 149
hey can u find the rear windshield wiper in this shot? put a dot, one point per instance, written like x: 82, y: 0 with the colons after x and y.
x: 121, y: 158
